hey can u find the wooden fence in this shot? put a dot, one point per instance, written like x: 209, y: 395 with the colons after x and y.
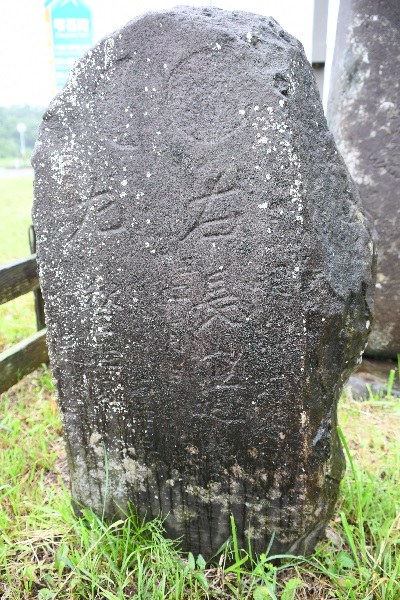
x: 16, y: 279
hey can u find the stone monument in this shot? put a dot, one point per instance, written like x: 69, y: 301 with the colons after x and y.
x: 206, y: 267
x: 364, y: 116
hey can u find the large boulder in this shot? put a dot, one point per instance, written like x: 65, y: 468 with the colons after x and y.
x: 364, y: 116
x: 206, y: 268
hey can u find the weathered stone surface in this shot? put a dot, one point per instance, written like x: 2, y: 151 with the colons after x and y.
x: 206, y: 268
x: 364, y: 116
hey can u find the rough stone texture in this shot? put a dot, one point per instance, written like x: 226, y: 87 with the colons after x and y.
x: 206, y: 269
x: 364, y: 116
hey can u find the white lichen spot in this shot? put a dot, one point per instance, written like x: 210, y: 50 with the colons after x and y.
x: 249, y: 36
x: 96, y: 443
x: 242, y: 112
x: 263, y: 205
x: 136, y: 473
x: 148, y: 174
x: 124, y: 182
x: 281, y: 103
x: 256, y: 108
x: 108, y: 52
x: 386, y: 106
x: 185, y: 514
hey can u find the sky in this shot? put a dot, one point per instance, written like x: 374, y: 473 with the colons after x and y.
x: 24, y: 59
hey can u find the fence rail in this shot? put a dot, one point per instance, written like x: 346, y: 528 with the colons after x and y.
x: 16, y: 279
x: 22, y: 359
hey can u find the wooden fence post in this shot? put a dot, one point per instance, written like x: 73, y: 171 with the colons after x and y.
x: 39, y: 304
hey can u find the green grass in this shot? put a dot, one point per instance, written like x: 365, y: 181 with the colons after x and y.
x: 17, y: 317
x: 15, y: 163
x: 16, y: 196
x: 46, y: 552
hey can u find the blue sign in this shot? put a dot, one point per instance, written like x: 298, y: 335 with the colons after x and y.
x: 71, y: 34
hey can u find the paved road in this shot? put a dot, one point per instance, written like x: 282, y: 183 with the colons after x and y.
x: 15, y: 173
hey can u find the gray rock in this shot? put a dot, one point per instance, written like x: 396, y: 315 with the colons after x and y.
x: 374, y: 376
x: 364, y: 116
x: 206, y: 267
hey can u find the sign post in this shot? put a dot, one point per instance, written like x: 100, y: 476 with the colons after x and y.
x: 70, y: 34
x: 21, y: 128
